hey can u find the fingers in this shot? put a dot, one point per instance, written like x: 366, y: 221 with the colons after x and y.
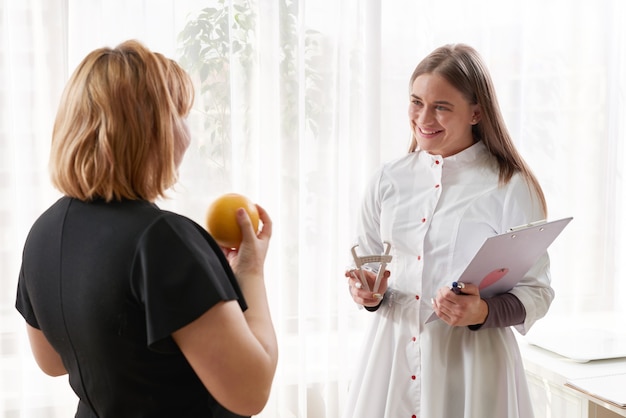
x: 247, y: 229
x: 370, y: 278
x: 470, y: 289
x: 384, y: 281
x: 457, y: 309
x: 360, y: 279
x: 249, y: 258
x: 245, y: 224
x: 266, y: 231
x: 359, y: 294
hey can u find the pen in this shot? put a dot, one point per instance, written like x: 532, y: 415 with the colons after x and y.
x: 457, y: 287
x: 529, y: 225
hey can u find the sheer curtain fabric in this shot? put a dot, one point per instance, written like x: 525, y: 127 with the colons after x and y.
x: 309, y: 98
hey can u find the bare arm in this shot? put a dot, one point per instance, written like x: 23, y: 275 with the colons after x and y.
x: 235, y: 353
x: 45, y: 355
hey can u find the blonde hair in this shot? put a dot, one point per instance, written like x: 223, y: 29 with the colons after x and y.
x: 120, y: 122
x: 464, y: 69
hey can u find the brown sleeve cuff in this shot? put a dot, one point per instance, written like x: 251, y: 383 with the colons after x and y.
x: 505, y: 310
x: 374, y: 308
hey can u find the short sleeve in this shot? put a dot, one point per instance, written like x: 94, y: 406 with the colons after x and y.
x: 179, y: 273
x: 23, y: 303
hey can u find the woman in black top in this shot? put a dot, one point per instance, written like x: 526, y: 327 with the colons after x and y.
x: 140, y: 306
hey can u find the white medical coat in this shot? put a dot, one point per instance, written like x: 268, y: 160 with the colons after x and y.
x: 436, y: 213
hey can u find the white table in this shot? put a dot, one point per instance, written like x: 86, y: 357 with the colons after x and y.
x: 552, y: 376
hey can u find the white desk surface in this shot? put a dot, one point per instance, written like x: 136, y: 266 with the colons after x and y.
x: 560, y: 369
x: 600, y: 381
x: 609, y: 390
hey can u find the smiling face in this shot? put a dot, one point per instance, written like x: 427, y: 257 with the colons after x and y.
x: 441, y: 117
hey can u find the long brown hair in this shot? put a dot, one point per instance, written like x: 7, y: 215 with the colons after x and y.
x: 120, y: 124
x: 464, y: 69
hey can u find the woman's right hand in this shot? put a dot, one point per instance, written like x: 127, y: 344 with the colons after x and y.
x: 360, y: 294
x: 249, y: 258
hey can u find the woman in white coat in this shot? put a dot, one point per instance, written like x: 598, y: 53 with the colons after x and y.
x: 461, y: 182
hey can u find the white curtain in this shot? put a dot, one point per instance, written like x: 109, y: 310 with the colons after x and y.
x: 309, y: 97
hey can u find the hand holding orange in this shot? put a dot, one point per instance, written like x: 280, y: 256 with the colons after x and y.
x: 221, y: 219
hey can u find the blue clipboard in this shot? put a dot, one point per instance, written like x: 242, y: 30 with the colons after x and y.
x: 504, y: 259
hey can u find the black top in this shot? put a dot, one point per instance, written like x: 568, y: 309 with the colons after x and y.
x: 108, y: 283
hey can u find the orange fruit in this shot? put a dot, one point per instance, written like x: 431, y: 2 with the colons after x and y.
x: 221, y: 219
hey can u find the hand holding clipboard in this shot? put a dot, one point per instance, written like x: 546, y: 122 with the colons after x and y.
x: 504, y: 259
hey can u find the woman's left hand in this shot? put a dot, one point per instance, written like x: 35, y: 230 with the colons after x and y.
x: 463, y: 309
